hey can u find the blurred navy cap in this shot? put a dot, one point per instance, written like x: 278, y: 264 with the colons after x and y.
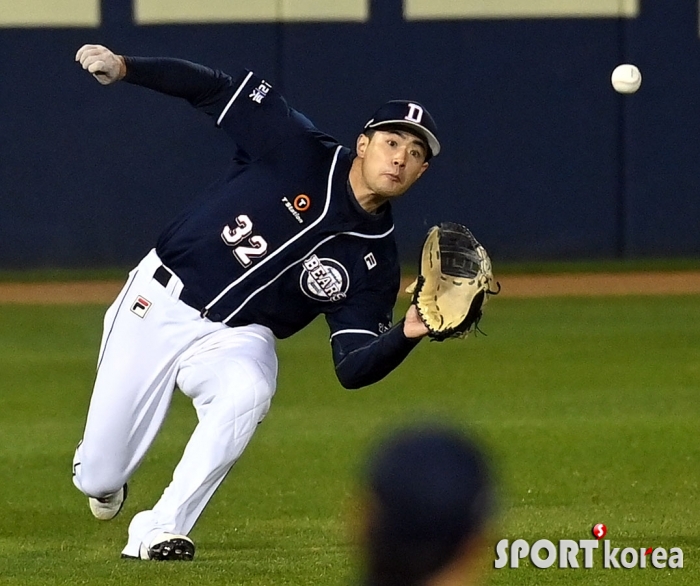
x: 432, y: 489
x: 410, y: 114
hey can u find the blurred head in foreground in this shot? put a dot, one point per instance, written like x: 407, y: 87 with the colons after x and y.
x: 430, y: 500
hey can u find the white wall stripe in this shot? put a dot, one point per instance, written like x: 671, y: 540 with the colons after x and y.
x: 509, y: 9
x: 233, y: 98
x: 50, y: 13
x: 158, y: 12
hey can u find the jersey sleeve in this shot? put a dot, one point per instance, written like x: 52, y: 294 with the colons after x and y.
x: 361, y: 361
x: 366, y: 347
x: 201, y: 86
x: 246, y: 106
x: 258, y: 118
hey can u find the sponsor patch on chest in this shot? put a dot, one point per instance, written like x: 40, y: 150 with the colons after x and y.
x: 291, y: 208
x: 324, y: 279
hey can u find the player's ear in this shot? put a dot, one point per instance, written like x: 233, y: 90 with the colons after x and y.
x: 423, y: 169
x: 361, y: 146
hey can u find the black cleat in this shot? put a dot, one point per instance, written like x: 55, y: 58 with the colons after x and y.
x: 170, y: 547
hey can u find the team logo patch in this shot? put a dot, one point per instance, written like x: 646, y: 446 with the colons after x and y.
x: 141, y: 306
x: 302, y: 202
x: 324, y: 279
x: 415, y: 113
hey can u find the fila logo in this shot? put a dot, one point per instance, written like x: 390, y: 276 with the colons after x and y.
x: 141, y: 306
x: 415, y: 113
x: 370, y: 261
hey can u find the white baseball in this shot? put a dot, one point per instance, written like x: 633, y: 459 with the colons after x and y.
x: 626, y: 78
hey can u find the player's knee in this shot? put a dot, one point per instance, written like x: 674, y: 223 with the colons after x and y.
x: 250, y: 383
x: 252, y: 401
x: 98, y: 477
x: 98, y: 486
x: 246, y: 400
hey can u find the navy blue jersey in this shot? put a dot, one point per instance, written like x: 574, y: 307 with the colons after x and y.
x: 281, y: 238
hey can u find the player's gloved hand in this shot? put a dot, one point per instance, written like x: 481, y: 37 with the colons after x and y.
x: 105, y: 66
x: 454, y: 283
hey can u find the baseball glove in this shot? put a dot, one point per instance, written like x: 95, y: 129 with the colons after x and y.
x: 455, y: 281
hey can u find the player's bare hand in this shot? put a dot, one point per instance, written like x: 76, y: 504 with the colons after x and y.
x: 105, y: 66
x: 413, y: 326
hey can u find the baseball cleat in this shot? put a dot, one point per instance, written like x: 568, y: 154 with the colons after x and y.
x: 108, y: 507
x: 169, y: 547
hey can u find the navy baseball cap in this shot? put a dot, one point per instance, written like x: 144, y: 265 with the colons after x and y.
x: 433, y: 488
x: 411, y: 114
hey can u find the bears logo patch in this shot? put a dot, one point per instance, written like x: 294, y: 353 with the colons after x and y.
x: 324, y: 279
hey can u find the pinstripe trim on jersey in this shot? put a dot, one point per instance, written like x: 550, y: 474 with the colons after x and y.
x: 290, y: 241
x: 296, y: 262
x: 233, y: 98
x: 333, y: 335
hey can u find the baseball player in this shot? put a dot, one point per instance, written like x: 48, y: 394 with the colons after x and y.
x: 298, y: 226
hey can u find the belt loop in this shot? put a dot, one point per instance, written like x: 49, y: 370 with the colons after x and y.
x: 176, y: 287
x: 169, y: 281
x: 162, y: 276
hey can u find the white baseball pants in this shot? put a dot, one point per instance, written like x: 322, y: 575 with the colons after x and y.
x: 151, y: 343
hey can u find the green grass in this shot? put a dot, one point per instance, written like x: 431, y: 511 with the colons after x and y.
x: 58, y: 274
x: 590, y: 409
x: 63, y: 275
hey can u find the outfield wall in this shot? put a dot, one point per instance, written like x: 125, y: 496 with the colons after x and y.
x: 541, y: 158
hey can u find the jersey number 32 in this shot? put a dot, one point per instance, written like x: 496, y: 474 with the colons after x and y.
x: 253, y: 247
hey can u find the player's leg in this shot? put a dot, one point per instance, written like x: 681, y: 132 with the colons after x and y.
x: 105, y: 504
x: 136, y: 375
x: 231, y: 379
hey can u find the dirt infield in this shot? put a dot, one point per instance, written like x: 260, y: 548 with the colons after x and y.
x: 570, y: 284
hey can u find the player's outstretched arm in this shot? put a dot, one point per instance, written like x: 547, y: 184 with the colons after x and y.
x: 105, y: 66
x: 201, y: 86
x: 413, y: 326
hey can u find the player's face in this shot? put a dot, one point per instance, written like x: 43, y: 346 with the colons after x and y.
x: 392, y: 161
